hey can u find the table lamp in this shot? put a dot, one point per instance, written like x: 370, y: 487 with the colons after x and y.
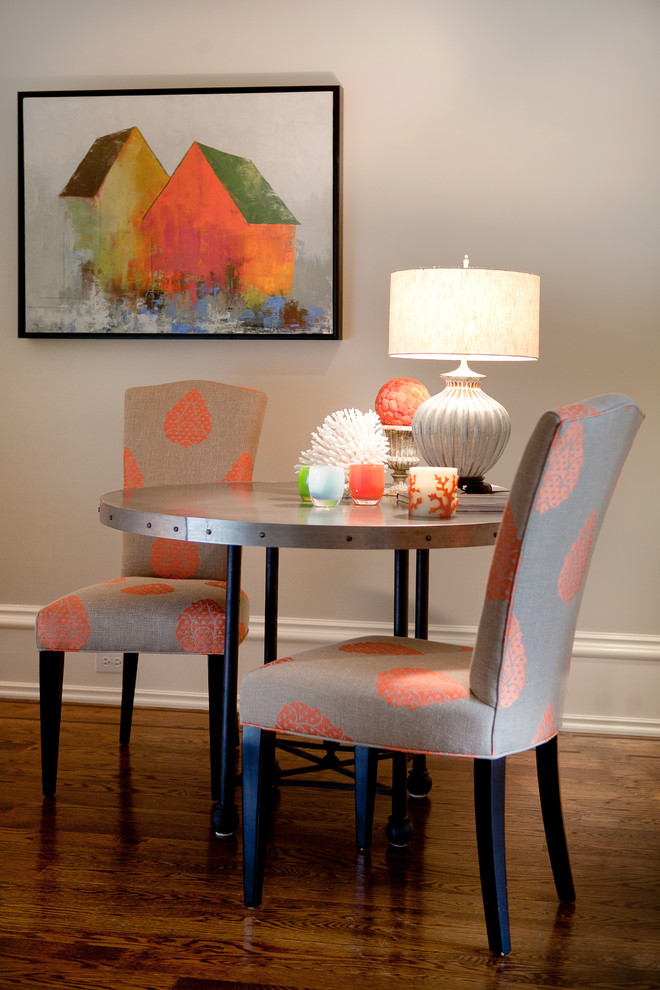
x: 447, y: 313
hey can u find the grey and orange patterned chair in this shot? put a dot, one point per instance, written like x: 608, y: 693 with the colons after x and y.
x: 414, y: 696
x: 170, y: 597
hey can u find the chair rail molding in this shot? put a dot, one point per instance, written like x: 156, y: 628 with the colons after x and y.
x: 613, y: 686
x: 18, y: 616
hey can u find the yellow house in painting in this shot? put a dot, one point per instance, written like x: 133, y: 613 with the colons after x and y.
x: 107, y: 197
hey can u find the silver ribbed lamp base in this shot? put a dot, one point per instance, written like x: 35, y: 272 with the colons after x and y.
x: 462, y: 427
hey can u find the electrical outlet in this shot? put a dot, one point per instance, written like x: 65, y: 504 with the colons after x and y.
x: 110, y: 663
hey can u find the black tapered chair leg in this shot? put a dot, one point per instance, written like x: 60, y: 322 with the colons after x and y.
x: 51, y: 677
x: 128, y: 679
x: 258, y: 749
x: 419, y: 779
x: 399, y: 830
x: 547, y: 771
x: 366, y: 769
x: 489, y: 785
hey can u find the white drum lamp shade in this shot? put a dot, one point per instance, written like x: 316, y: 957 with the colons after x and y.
x: 463, y: 313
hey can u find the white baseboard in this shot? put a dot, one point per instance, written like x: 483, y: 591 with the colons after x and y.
x: 614, y: 686
x: 612, y: 725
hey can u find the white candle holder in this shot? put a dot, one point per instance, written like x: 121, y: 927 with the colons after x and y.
x: 432, y: 491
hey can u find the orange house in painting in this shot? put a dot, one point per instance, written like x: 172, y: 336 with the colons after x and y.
x: 218, y: 223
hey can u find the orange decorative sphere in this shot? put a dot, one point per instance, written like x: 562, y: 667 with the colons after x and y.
x: 398, y: 400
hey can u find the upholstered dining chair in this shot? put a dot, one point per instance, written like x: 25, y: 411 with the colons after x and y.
x: 170, y: 597
x: 414, y: 696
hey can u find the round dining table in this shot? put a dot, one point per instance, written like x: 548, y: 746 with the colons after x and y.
x: 272, y: 515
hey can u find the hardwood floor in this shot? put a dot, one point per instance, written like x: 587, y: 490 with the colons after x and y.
x: 118, y: 882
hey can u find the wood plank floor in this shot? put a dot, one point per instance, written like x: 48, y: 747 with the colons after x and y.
x: 118, y: 883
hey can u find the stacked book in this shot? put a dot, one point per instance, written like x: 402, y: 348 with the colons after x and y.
x: 493, y: 501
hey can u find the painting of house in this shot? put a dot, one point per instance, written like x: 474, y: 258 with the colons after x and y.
x: 215, y: 213
x: 106, y: 198
x: 218, y: 224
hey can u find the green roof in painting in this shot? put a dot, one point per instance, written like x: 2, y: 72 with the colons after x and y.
x: 254, y: 197
x: 90, y: 174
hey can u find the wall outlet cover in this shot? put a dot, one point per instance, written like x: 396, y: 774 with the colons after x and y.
x: 110, y: 663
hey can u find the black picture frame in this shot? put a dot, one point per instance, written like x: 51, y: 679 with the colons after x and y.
x: 180, y: 212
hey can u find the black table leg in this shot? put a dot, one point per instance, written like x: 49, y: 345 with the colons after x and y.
x: 225, y: 814
x: 422, y: 594
x: 271, y: 604
x: 401, y: 571
x: 419, y: 781
x: 399, y: 829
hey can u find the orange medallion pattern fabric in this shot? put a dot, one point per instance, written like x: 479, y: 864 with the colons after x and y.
x: 505, y: 560
x: 63, y: 625
x: 301, y: 718
x: 189, y: 421
x: 547, y: 729
x: 155, y: 588
x: 241, y: 470
x: 408, y: 687
x: 223, y: 584
x: 133, y: 477
x: 576, y: 561
x: 380, y: 649
x: 563, y: 467
x: 201, y: 627
x: 512, y: 679
x: 570, y: 414
x: 174, y: 558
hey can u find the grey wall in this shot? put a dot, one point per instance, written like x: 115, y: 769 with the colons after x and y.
x: 525, y: 134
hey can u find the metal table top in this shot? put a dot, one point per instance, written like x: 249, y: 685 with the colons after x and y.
x: 270, y: 514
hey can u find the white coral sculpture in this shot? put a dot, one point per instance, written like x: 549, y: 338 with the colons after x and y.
x: 347, y: 437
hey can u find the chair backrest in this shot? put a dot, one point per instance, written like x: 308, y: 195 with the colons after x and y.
x: 182, y: 432
x: 560, y: 494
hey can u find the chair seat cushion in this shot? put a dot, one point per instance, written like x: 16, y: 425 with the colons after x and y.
x: 382, y: 691
x: 140, y: 615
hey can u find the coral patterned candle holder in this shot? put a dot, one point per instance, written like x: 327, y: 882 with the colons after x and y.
x: 432, y: 491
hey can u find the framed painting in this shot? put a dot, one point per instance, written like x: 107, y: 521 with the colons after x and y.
x: 180, y: 212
